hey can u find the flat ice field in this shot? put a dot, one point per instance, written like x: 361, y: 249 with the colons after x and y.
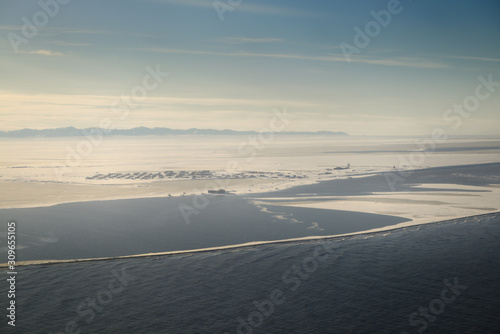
x: 47, y: 171
x: 150, y: 195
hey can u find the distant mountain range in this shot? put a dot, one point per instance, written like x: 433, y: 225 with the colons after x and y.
x: 141, y: 131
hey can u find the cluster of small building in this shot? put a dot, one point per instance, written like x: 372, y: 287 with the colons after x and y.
x: 192, y: 175
x: 204, y: 174
x: 329, y: 170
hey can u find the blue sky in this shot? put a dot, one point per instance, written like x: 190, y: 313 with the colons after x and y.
x: 231, y: 73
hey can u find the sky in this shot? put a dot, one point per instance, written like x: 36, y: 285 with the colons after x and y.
x: 230, y: 64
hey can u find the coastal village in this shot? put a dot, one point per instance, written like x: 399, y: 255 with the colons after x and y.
x: 205, y: 175
x: 194, y: 175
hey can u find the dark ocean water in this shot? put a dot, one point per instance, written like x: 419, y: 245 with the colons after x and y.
x: 448, y: 272
x: 137, y: 226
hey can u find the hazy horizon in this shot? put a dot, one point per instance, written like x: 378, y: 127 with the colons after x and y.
x: 250, y: 166
x: 375, y: 68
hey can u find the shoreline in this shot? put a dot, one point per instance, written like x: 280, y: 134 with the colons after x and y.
x: 182, y: 188
x: 191, y: 187
x: 249, y: 244
x: 343, y: 202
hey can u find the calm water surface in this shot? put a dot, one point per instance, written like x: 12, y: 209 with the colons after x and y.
x: 365, y: 284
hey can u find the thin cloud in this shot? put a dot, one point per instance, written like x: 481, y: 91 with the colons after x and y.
x: 65, y: 100
x: 29, y: 110
x: 44, y: 53
x: 76, y: 31
x: 243, y: 7
x: 273, y: 10
x: 62, y: 43
x: 190, y: 3
x: 245, y: 40
x: 56, y: 30
x: 401, y: 62
x: 9, y: 28
x: 475, y: 58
